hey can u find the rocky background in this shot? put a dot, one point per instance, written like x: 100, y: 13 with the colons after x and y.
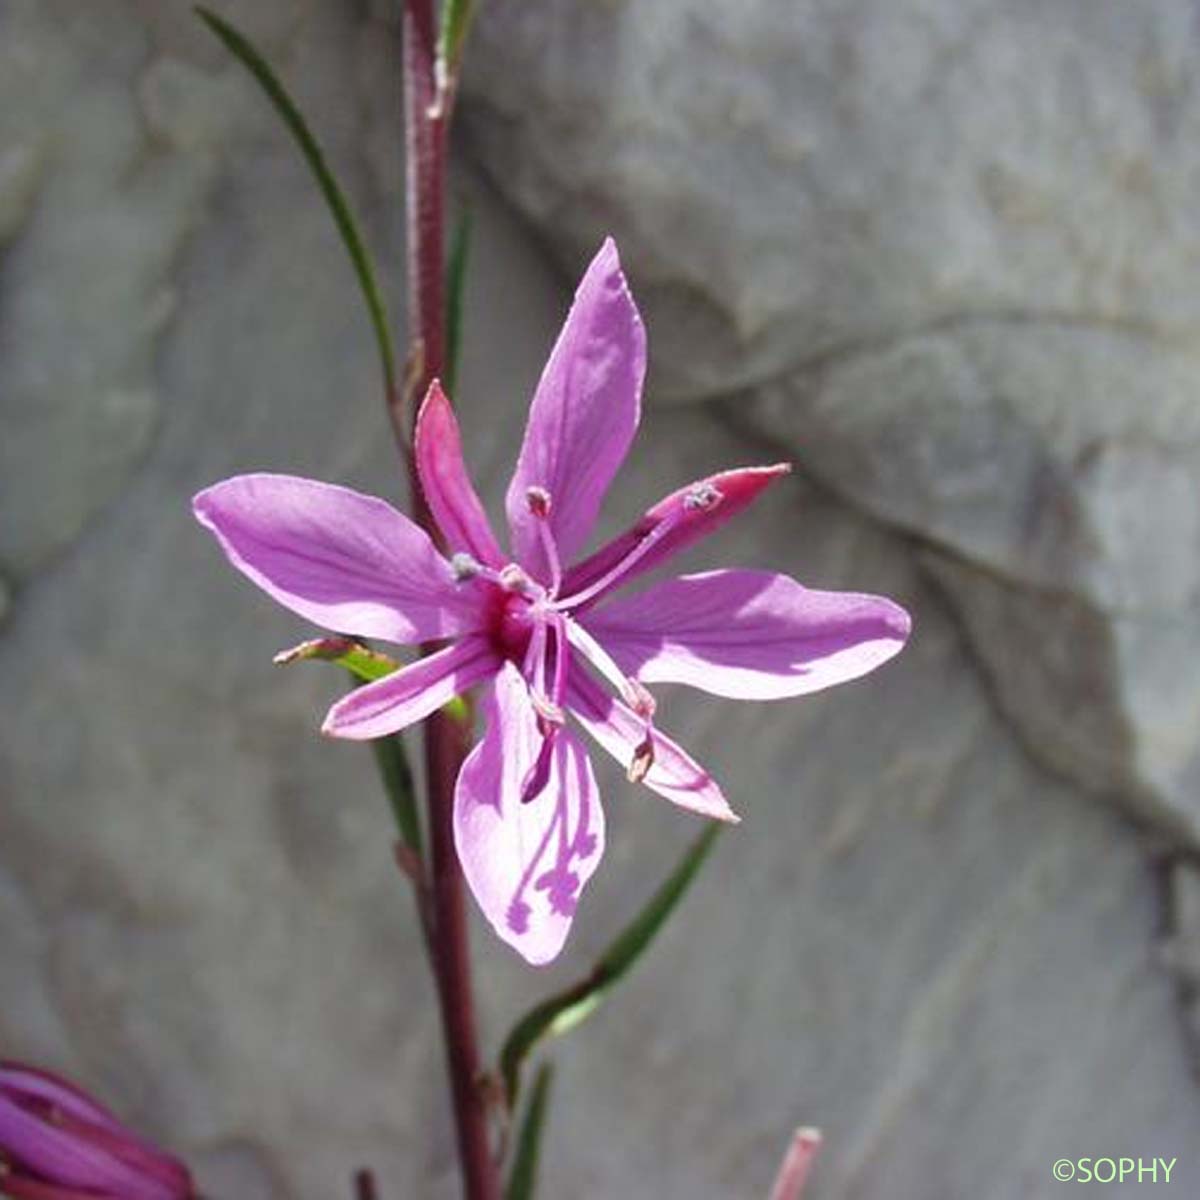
x: 945, y: 255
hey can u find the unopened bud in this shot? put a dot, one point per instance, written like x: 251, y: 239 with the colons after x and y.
x: 55, y: 1140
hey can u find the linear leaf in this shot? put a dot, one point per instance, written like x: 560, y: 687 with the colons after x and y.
x: 242, y: 49
x: 566, y: 1009
x: 456, y: 24
x: 361, y: 661
x: 522, y: 1179
x: 366, y: 665
x: 391, y: 759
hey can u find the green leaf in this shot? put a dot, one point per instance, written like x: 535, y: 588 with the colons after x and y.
x: 391, y: 758
x: 566, y: 1009
x: 365, y: 664
x: 456, y: 24
x: 522, y: 1179
x: 335, y: 198
x: 456, y: 273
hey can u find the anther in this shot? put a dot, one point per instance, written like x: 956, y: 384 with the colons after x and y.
x: 547, y: 709
x: 539, y: 501
x: 641, y: 762
x: 639, y: 699
x: 464, y: 566
x: 513, y: 579
x: 702, y: 496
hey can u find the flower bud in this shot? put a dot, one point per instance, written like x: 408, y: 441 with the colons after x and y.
x: 57, y: 1143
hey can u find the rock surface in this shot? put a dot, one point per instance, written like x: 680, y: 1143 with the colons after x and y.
x: 916, y: 939
x: 947, y: 254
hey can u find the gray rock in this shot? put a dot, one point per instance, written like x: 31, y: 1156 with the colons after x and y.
x: 916, y: 938
x: 945, y: 254
x: 1181, y: 950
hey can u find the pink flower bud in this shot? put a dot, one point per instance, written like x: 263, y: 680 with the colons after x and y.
x: 57, y: 1143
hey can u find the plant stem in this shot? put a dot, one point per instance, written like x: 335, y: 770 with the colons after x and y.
x: 445, y: 738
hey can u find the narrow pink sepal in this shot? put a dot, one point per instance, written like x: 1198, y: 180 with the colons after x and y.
x: 446, y: 484
x: 673, y: 773
x: 750, y: 635
x: 526, y: 862
x: 412, y: 693
x: 347, y: 562
x: 583, y: 416
x: 737, y: 490
x: 797, y: 1164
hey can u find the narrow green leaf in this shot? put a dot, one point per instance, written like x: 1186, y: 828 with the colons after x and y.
x: 522, y: 1179
x: 366, y: 665
x: 566, y: 1009
x: 391, y: 758
x: 456, y: 24
x: 361, y: 661
x: 352, y: 239
x: 456, y: 274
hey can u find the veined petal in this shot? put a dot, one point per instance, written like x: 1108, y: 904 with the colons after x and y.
x: 583, y: 416
x: 673, y: 772
x: 752, y: 635
x: 684, y: 517
x: 412, y: 693
x: 527, y: 862
x: 444, y: 480
x: 345, y: 561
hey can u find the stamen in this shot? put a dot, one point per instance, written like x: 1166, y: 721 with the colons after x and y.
x: 642, y: 761
x: 464, y: 566
x: 547, y: 709
x: 702, y: 496
x: 512, y: 579
x: 633, y: 692
x: 547, y: 702
x: 562, y: 657
x: 638, y: 697
x: 539, y: 773
x: 540, y: 505
x: 539, y: 501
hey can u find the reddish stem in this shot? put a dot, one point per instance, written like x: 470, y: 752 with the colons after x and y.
x: 445, y: 740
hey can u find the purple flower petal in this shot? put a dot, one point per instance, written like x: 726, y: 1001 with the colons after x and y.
x: 444, y: 480
x: 65, y: 1157
x: 412, y: 693
x: 31, y: 1084
x: 673, y: 772
x: 526, y: 862
x: 583, y: 416
x: 752, y: 635
x: 675, y: 522
x: 345, y: 561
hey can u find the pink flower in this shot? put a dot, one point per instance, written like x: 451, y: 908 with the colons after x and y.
x: 545, y: 636
x: 56, y: 1143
